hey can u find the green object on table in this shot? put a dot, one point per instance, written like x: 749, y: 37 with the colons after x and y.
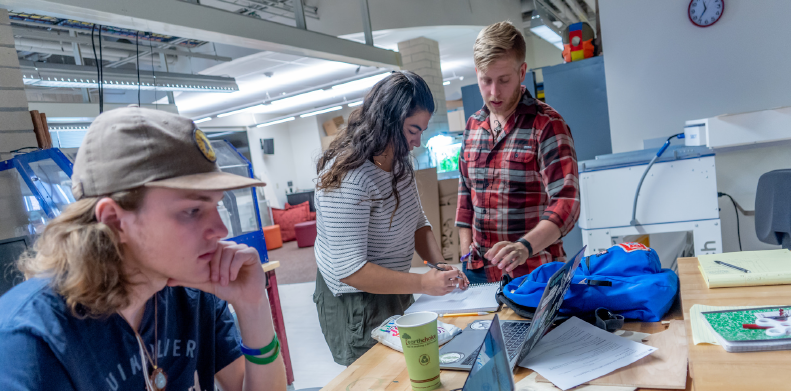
x: 729, y: 324
x: 418, y: 332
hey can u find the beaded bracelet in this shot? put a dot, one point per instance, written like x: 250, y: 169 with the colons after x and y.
x: 259, y: 352
x: 265, y: 360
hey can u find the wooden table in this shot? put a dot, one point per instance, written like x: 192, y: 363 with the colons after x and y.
x: 711, y: 367
x: 382, y: 368
x: 277, y: 315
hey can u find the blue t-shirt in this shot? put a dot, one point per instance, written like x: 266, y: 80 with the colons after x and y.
x: 43, y: 346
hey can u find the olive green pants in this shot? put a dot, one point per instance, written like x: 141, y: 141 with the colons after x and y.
x: 347, y: 320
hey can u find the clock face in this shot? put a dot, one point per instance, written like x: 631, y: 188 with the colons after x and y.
x: 704, y: 13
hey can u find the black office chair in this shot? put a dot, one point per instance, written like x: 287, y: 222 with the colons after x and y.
x: 773, y: 208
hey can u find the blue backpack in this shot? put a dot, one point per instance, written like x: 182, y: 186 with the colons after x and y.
x: 627, y: 279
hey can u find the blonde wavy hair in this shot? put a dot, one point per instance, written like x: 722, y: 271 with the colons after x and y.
x: 497, y: 41
x: 82, y: 257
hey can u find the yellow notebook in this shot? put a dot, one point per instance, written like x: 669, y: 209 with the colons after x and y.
x: 770, y: 267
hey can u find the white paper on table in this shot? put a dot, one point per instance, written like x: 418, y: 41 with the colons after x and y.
x: 529, y: 383
x: 577, y: 352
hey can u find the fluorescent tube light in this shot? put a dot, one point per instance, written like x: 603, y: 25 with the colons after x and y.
x: 244, y: 110
x: 302, y: 98
x: 275, y: 122
x: 197, y: 121
x: 548, y: 35
x: 80, y: 76
x: 446, y: 83
x: 336, y: 108
x: 360, y: 84
x: 353, y: 104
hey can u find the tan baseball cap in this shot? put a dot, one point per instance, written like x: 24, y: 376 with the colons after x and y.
x: 131, y: 147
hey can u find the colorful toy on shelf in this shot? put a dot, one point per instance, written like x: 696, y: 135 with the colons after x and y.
x: 578, y: 42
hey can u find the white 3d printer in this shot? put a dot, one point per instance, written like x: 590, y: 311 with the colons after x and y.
x: 677, y: 194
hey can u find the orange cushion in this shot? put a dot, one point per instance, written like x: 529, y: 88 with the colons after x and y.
x: 272, y: 237
x: 287, y: 218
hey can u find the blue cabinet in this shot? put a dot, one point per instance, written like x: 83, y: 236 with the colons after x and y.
x: 577, y: 90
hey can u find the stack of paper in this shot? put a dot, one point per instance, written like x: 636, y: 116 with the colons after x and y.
x: 771, y: 267
x: 576, y: 352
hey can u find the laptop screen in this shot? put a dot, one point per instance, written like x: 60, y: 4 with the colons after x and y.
x: 550, y: 303
x: 491, y: 370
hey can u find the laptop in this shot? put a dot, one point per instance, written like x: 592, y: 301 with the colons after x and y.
x: 490, y: 369
x: 519, y: 336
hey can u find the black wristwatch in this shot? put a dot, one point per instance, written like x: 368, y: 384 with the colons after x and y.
x: 526, y: 244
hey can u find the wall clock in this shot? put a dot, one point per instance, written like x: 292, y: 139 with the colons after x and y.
x: 704, y: 13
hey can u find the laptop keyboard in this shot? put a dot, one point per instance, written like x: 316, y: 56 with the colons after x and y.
x: 513, y: 334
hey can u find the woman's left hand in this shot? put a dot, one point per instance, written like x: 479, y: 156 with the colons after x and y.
x: 236, y: 275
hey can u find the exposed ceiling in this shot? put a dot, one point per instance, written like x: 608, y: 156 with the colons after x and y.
x: 261, y: 76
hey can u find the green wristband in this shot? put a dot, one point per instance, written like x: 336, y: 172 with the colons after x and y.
x: 264, y: 360
x: 259, y: 352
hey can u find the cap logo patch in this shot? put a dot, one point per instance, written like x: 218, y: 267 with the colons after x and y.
x: 203, y: 144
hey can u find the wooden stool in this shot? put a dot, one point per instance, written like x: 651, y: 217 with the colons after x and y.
x: 272, y: 237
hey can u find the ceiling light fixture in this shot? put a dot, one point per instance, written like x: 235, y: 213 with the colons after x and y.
x: 336, y: 108
x: 197, y: 121
x: 544, y: 25
x: 79, y: 76
x: 446, y: 83
x: 353, y: 104
x: 275, y: 122
x: 244, y: 110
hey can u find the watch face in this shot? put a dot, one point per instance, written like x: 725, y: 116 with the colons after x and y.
x: 704, y: 13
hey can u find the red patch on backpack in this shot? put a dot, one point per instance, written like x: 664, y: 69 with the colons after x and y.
x: 629, y: 247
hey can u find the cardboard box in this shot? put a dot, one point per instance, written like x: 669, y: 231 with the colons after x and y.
x: 429, y: 199
x: 332, y: 127
x: 326, y: 141
x: 450, y: 234
x: 449, y: 187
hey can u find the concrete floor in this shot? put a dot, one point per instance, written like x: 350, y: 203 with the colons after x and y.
x: 310, y: 357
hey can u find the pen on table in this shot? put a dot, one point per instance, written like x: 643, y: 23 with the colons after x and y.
x: 731, y: 266
x: 755, y: 327
x: 465, y: 314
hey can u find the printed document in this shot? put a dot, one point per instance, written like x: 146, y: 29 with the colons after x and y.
x: 576, y: 352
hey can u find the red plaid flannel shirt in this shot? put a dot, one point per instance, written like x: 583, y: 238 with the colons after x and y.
x: 507, y: 185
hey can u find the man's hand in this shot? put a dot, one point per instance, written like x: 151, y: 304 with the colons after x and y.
x: 507, y: 255
x: 437, y: 283
x: 463, y: 282
x: 236, y: 275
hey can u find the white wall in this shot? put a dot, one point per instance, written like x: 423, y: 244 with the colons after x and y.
x: 305, y: 150
x: 661, y: 71
x: 297, y: 149
x: 276, y: 170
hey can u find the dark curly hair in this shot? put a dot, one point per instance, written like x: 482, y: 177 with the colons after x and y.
x: 375, y: 125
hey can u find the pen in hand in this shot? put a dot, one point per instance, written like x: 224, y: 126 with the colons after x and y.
x: 460, y: 277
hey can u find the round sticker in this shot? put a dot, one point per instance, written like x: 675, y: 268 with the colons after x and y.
x: 424, y: 359
x: 203, y: 144
x: 449, y: 358
x: 481, y: 325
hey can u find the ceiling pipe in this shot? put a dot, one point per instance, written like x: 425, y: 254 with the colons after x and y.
x: 577, y: 9
x: 565, y: 12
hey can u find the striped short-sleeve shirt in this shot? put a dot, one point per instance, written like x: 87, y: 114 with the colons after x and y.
x: 353, y: 225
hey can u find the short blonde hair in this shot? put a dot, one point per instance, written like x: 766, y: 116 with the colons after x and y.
x: 83, y: 259
x: 497, y: 41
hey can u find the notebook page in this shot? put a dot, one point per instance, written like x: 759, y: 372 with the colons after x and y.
x: 478, y: 297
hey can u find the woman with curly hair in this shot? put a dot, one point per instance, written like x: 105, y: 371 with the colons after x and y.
x: 370, y: 221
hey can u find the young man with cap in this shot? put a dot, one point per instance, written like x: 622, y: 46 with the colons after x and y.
x: 129, y: 287
x: 518, y: 188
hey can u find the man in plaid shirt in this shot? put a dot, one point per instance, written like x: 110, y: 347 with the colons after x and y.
x: 519, y: 184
